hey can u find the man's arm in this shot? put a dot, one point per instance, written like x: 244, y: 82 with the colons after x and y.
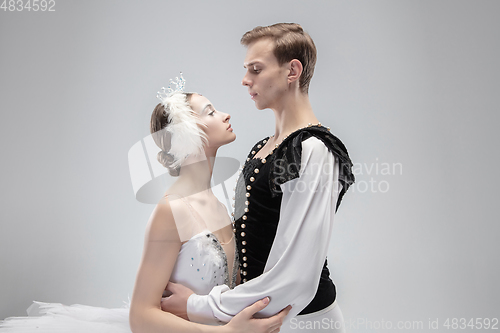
x: 292, y: 272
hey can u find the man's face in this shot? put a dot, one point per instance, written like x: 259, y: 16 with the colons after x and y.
x: 265, y: 78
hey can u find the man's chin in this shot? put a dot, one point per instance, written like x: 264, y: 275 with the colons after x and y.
x: 260, y: 106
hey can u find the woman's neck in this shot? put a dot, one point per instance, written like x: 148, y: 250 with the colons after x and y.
x: 195, y: 175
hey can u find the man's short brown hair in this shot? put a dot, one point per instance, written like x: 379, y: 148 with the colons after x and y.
x: 291, y: 42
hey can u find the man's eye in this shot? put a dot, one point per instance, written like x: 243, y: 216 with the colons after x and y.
x: 255, y: 70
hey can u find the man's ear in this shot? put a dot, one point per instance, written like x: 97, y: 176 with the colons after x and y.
x: 295, y: 68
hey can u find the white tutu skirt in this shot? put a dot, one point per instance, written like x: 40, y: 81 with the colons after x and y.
x: 55, y: 317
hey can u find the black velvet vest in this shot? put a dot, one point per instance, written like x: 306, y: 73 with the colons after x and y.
x: 258, y: 200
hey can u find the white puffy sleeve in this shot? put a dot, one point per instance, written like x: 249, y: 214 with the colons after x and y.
x: 293, y: 269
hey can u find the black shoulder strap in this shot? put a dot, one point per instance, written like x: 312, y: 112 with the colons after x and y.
x: 287, y: 158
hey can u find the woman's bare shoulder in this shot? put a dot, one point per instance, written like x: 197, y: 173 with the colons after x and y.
x: 165, y: 219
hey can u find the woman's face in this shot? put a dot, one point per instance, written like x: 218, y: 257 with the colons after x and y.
x: 218, y: 129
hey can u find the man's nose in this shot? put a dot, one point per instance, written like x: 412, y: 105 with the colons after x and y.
x: 246, y: 81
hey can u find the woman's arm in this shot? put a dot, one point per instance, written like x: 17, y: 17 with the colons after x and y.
x: 161, y: 248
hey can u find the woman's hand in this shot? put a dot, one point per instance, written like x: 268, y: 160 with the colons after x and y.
x: 244, y: 322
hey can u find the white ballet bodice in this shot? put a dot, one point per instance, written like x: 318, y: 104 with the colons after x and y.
x: 202, y: 264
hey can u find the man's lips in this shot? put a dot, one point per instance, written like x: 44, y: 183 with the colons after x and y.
x: 252, y: 95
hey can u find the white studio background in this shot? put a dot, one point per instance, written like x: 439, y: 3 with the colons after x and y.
x: 411, y: 88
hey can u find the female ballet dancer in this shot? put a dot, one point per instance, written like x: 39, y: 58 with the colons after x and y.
x: 189, y: 238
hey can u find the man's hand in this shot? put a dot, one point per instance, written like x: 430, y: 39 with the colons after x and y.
x: 177, y: 302
x: 244, y: 322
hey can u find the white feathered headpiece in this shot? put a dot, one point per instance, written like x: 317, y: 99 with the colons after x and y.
x: 187, y: 135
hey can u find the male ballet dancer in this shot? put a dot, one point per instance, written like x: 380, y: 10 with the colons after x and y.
x: 286, y: 196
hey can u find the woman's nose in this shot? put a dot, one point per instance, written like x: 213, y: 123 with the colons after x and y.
x: 227, y: 117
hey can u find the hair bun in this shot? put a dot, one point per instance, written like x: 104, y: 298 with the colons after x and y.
x: 166, y: 159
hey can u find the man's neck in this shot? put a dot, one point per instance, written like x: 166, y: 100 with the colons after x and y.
x: 294, y: 112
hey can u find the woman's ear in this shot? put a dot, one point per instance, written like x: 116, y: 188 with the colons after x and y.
x: 295, y: 68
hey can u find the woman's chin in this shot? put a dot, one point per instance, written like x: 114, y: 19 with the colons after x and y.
x: 233, y: 137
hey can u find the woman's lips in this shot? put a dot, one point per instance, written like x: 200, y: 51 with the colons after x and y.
x: 229, y: 128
